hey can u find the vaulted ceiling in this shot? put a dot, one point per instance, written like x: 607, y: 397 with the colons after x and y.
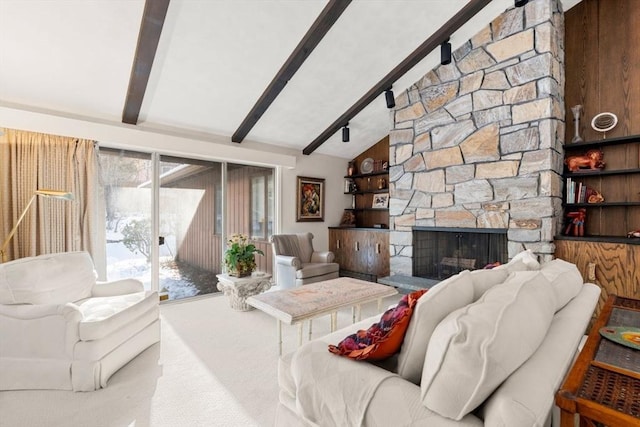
x: 216, y: 58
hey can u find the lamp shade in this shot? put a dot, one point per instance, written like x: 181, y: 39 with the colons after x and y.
x: 56, y: 194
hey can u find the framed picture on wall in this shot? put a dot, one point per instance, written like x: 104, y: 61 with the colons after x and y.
x: 380, y: 201
x: 310, y: 199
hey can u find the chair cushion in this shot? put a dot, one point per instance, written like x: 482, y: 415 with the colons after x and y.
x: 310, y: 269
x: 47, y: 279
x: 475, y: 348
x: 443, y: 298
x: 382, y: 339
x: 565, y: 279
x: 104, y: 315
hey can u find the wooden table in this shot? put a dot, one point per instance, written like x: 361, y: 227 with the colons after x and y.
x: 294, y: 306
x: 604, y: 384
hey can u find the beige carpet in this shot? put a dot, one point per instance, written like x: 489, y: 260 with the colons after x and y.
x: 214, y: 367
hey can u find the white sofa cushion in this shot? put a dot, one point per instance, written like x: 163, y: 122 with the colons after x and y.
x: 565, y: 279
x: 432, y: 307
x: 483, y: 280
x: 47, y: 279
x: 477, y: 347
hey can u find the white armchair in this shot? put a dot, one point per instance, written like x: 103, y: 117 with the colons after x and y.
x: 60, y: 329
x: 298, y: 264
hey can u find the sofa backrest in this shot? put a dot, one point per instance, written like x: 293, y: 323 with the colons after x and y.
x: 297, y: 245
x: 47, y: 279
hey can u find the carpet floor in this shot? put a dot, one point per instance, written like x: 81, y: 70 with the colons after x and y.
x: 213, y: 367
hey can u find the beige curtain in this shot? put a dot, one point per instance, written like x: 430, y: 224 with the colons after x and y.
x: 31, y: 161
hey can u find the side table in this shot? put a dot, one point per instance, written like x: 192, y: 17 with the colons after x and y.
x: 603, y: 386
x: 238, y: 289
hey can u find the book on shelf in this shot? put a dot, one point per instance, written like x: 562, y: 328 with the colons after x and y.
x: 576, y: 192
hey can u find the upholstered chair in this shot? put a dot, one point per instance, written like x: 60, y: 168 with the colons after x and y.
x: 298, y: 264
x: 60, y: 329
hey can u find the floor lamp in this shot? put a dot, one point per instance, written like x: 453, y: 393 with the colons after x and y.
x: 55, y: 194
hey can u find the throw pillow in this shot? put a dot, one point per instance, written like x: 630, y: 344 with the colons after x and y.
x: 474, y: 349
x: 565, y: 279
x: 382, y: 339
x: 523, y: 261
x: 448, y: 295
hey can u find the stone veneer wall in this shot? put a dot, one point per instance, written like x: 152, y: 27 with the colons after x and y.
x: 478, y: 143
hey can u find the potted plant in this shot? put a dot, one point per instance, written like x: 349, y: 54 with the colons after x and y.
x: 239, y: 258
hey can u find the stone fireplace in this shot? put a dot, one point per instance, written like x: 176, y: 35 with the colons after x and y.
x: 477, y: 144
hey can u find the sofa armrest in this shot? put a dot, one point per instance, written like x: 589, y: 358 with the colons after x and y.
x: 289, y: 261
x: 324, y: 257
x: 39, y: 331
x: 117, y: 287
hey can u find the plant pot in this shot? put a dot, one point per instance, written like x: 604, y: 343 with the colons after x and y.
x: 242, y: 269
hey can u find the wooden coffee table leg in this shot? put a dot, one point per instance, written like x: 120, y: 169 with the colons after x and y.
x: 310, y: 327
x: 334, y: 321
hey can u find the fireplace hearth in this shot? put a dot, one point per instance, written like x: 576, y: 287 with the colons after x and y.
x: 439, y: 253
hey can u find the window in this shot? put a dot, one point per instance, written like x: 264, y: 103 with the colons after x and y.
x: 262, y: 205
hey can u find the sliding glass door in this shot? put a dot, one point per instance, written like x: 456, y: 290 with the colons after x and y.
x: 190, y: 234
x: 168, y: 231
x: 126, y: 178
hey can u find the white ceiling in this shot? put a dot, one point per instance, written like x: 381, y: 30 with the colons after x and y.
x: 216, y: 57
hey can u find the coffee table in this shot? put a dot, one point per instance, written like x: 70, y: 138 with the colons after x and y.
x: 603, y: 385
x: 294, y: 306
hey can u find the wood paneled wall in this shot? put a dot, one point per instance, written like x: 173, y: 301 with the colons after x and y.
x: 602, y: 74
x: 602, y: 65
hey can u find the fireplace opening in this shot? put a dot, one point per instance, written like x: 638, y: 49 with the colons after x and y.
x: 439, y: 253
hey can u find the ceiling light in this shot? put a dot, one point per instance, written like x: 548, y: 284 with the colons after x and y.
x: 520, y: 3
x: 445, y: 53
x: 345, y: 133
x: 388, y: 96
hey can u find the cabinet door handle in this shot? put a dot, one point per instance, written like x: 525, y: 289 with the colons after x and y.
x: 338, y: 244
x: 377, y: 248
x: 357, y: 246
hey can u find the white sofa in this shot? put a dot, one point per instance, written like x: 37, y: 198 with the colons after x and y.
x: 60, y: 329
x: 483, y: 348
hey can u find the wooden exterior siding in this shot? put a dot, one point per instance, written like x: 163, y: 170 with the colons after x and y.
x: 200, y: 244
x: 239, y: 211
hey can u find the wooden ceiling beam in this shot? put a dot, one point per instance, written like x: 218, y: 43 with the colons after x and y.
x: 155, y: 12
x: 436, y: 39
x: 311, y: 39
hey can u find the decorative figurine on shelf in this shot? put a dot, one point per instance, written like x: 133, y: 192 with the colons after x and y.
x: 576, y: 222
x: 593, y: 196
x: 591, y: 160
x: 576, y: 120
x: 348, y: 219
x: 604, y: 122
x: 351, y: 170
x: 634, y: 233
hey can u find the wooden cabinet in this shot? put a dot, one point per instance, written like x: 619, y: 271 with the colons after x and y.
x: 618, y: 182
x: 361, y: 253
x: 615, y: 267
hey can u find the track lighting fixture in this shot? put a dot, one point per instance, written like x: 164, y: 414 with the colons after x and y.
x: 388, y: 96
x: 445, y: 53
x: 345, y: 133
x: 520, y: 3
